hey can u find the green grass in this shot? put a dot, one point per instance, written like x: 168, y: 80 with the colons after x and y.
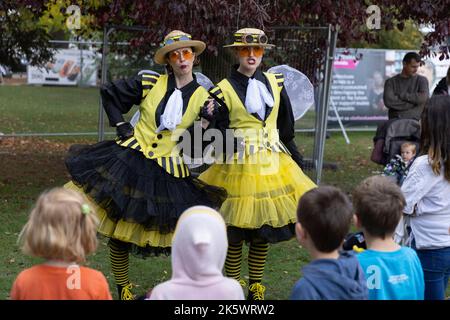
x: 44, y: 109
x: 29, y: 166
x: 41, y: 109
x: 26, y: 173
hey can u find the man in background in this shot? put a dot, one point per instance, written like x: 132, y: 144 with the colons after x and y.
x: 404, y: 96
x: 406, y: 93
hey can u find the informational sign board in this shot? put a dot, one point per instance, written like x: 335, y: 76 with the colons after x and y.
x: 69, y: 67
x: 358, y: 83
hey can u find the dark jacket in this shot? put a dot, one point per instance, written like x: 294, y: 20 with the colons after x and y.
x: 441, y: 87
x: 332, y: 279
x: 405, y: 97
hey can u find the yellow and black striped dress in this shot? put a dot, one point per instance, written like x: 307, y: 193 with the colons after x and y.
x: 140, y: 186
x: 264, y: 180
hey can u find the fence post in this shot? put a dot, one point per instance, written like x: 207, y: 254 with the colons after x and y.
x: 325, y: 102
x: 101, y: 114
x: 80, y: 47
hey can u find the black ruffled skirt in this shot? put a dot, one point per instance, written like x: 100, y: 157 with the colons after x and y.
x: 137, y: 201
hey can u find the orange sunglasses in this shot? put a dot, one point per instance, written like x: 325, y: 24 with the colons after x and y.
x: 175, y: 55
x: 246, y: 51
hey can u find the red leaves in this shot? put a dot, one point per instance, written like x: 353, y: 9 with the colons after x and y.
x: 221, y: 17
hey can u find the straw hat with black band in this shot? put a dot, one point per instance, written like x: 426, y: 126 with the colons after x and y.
x: 250, y: 37
x: 177, y: 39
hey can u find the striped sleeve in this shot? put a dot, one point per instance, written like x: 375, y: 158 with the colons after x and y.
x: 280, y: 79
x: 148, y: 80
x: 118, y: 97
x: 218, y: 96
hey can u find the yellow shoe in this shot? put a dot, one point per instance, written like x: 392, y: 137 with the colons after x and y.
x: 256, y: 291
x: 125, y: 292
x: 357, y: 249
x: 243, y: 283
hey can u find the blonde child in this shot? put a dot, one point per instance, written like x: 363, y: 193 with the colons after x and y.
x: 399, y: 166
x: 62, y: 230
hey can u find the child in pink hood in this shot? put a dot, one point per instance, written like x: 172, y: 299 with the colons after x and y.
x: 199, y: 248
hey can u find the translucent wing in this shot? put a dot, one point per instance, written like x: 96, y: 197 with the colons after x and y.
x: 299, y: 89
x: 148, y: 71
x: 136, y: 116
x: 204, y: 81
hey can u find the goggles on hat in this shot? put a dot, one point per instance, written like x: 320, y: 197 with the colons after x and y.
x: 176, y: 38
x: 248, y: 38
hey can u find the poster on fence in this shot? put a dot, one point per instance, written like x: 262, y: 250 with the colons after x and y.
x: 69, y: 67
x: 358, y: 83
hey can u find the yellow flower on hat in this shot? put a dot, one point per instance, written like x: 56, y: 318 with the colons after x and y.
x: 177, y: 39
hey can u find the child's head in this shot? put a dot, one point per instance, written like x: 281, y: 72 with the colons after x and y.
x: 324, y: 215
x: 408, y: 151
x: 378, y: 204
x: 61, y: 227
x: 199, y: 245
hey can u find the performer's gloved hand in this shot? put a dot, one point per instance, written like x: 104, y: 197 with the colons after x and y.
x: 209, y: 109
x: 124, y: 130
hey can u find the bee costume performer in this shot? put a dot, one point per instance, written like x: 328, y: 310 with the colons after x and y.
x: 264, y: 180
x: 139, y: 182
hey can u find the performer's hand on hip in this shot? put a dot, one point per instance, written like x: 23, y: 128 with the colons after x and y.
x: 124, y: 130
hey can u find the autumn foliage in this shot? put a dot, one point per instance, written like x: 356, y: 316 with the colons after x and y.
x: 214, y: 20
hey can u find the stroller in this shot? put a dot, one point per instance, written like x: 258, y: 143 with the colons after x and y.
x: 391, y: 135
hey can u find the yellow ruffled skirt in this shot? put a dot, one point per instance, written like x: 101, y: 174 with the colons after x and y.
x: 263, y: 193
